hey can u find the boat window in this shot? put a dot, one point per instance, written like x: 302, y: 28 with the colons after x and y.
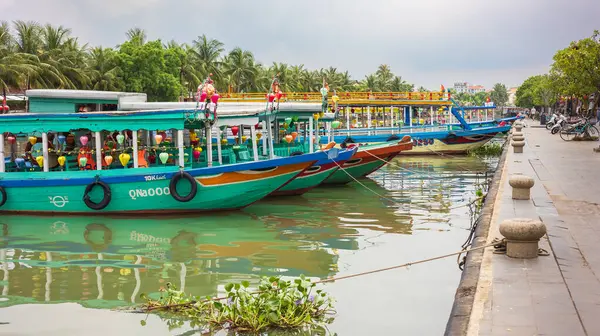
x: 82, y: 108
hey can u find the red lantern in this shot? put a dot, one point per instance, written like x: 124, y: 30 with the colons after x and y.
x: 5, y: 108
x: 278, y: 95
x: 215, y: 98
x: 203, y: 97
x: 256, y: 126
x: 152, y: 158
x: 11, y: 139
x: 271, y: 97
x: 196, y: 154
x: 235, y: 130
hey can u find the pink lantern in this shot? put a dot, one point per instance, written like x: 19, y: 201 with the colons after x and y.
x: 158, y: 138
x: 203, y: 96
x: 271, y: 97
x: 11, y: 139
x: 84, y: 140
x: 6, y: 108
x: 215, y: 98
x: 235, y: 130
x: 196, y: 154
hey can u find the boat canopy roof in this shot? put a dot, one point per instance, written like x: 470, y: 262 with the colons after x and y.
x: 100, y: 121
x: 82, y: 94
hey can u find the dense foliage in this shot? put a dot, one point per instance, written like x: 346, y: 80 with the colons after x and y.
x: 575, y: 72
x: 276, y: 304
x: 36, y: 56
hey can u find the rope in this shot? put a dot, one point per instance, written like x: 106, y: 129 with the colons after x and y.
x: 338, y: 278
x: 391, y: 200
x: 441, y: 154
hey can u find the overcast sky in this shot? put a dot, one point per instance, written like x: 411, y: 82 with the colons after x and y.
x: 427, y: 42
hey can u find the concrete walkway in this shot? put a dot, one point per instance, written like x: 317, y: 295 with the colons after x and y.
x: 557, y: 294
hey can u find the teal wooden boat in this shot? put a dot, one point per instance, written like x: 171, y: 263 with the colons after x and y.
x: 86, y: 180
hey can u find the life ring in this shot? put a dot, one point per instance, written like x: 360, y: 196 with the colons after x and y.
x: 98, y: 227
x: 3, y: 195
x: 105, y: 200
x: 297, y: 153
x: 173, y: 187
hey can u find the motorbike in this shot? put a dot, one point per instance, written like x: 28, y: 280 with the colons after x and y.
x: 559, y: 124
x: 552, y: 121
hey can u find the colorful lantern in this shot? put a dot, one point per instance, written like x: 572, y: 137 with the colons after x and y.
x: 294, y: 135
x: 120, y: 139
x: 223, y: 142
x: 158, y: 138
x: 196, y: 154
x: 244, y: 138
x: 288, y: 120
x: 61, y: 139
x: 82, y: 161
x: 203, y: 95
x: 62, y: 160
x: 163, y: 157
x: 235, y: 130
x: 11, y: 139
x: 124, y: 158
x: 215, y: 98
x: 336, y: 124
x: 40, y: 161
x: 288, y: 138
x: 84, y: 140
x: 258, y: 136
x: 32, y: 140
x: 108, y: 160
x: 271, y: 97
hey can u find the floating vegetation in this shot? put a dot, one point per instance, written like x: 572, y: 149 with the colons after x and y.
x: 490, y: 149
x: 275, y: 305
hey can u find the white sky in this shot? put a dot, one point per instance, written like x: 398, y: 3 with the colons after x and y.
x: 427, y: 42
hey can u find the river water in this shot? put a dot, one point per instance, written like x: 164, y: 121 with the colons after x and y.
x: 54, y: 269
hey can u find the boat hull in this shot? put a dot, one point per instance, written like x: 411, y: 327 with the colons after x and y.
x: 458, y: 145
x: 147, y: 190
x: 315, y: 175
x: 367, y: 160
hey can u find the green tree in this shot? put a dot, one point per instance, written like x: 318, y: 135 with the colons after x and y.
x: 499, y: 94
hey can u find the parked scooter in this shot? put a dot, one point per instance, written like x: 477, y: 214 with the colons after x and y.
x: 552, y: 121
x: 560, y: 123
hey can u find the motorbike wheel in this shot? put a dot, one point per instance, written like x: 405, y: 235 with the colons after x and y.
x: 549, y: 125
x: 554, y: 130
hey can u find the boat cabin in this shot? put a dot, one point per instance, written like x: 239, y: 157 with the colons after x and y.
x: 78, y: 101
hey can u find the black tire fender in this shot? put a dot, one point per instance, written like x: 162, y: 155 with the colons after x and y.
x: 173, y: 187
x: 105, y: 200
x: 296, y: 153
x: 3, y: 195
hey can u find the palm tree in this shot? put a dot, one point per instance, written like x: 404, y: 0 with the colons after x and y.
x: 240, y: 65
x: 281, y: 70
x: 370, y: 83
x: 28, y: 38
x: 137, y: 36
x: 384, y: 77
x: 311, y: 80
x: 104, y: 73
x: 400, y: 85
x: 207, y: 54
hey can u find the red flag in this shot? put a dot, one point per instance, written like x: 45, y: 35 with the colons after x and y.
x: 443, y: 88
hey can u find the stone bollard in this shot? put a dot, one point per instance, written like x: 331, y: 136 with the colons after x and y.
x: 521, y: 185
x: 518, y: 146
x: 522, y: 237
x: 518, y: 136
x: 518, y: 126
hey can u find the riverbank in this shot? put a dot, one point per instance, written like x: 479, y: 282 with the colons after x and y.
x: 557, y: 294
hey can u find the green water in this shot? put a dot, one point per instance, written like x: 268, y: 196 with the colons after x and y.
x: 400, y: 214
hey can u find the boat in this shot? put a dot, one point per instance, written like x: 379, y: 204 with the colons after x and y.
x: 368, y: 159
x: 177, y: 179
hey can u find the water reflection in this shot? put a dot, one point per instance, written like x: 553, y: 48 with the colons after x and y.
x: 107, y: 262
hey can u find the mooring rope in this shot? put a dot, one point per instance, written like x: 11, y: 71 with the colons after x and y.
x: 397, y: 203
x: 344, y: 277
x: 395, y: 165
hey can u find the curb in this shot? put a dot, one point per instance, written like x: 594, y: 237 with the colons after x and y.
x: 458, y: 322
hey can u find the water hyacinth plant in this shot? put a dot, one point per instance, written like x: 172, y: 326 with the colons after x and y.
x: 275, y: 305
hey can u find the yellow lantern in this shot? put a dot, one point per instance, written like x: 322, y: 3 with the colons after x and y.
x: 258, y: 136
x: 40, y: 160
x: 224, y: 142
x: 124, y: 158
x: 316, y: 116
x: 61, y: 160
x: 335, y: 98
x: 32, y: 140
x: 244, y: 138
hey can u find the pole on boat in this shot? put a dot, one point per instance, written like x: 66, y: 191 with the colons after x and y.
x: 134, y: 139
x: 410, y: 116
x: 264, y: 138
x: 311, y: 147
x: 98, y: 141
x: 209, y: 157
x: 392, y: 118
x: 219, y: 153
x: 369, y: 119
x: 270, y: 139
x: 2, y: 167
x: 348, y: 119
x: 180, y: 148
x: 254, y: 144
x: 431, y: 114
x: 44, y: 151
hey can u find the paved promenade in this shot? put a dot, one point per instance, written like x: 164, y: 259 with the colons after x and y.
x: 557, y: 294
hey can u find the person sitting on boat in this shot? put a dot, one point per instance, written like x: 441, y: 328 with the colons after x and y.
x: 37, y: 149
